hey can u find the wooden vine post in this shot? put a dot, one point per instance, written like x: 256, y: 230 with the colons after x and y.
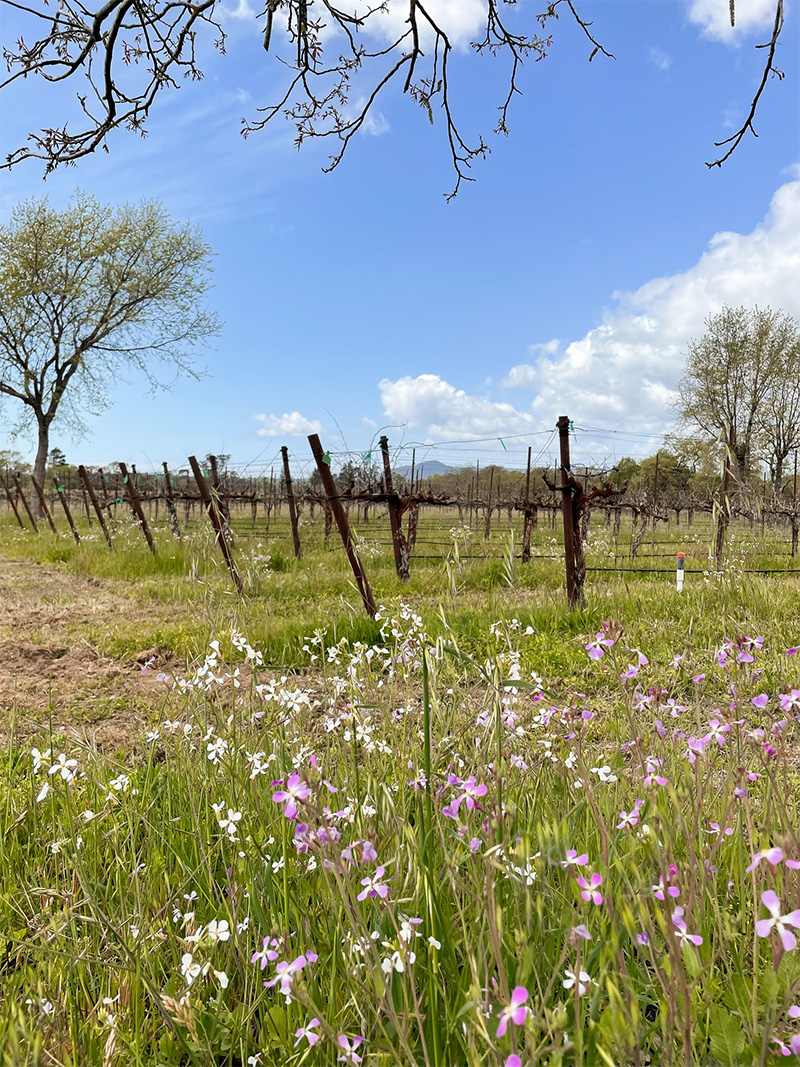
x: 171, y: 509
x: 399, y: 542
x: 527, y: 529
x: 43, y: 505
x: 216, y: 521
x: 62, y: 497
x: 574, y: 595
x: 136, y: 506
x: 21, y: 496
x: 11, y: 501
x: 287, y: 479
x: 323, y: 466
x: 723, y: 509
x: 88, y: 492
x: 220, y: 501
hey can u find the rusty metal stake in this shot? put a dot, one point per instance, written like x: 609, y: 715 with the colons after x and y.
x: 89, y: 492
x: 62, y: 497
x: 344, y: 526
x: 216, y: 521
x: 43, y: 504
x: 287, y: 478
x: 136, y: 506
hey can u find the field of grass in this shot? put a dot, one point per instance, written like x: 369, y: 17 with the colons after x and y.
x: 478, y: 830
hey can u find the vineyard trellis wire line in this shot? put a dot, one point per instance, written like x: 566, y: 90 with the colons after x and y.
x: 492, y: 494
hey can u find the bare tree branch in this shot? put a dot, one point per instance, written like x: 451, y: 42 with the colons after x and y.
x: 130, y: 51
x: 769, y: 68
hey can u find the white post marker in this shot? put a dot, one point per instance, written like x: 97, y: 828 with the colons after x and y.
x: 680, y: 573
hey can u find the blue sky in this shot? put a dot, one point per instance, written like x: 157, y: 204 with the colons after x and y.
x: 567, y: 279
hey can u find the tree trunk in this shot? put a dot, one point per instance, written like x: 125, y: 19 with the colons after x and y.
x: 777, y: 473
x: 40, y: 466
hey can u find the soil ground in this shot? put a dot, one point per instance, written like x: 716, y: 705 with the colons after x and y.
x: 50, y: 672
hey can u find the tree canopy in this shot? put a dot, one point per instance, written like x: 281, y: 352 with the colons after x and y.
x: 742, y: 385
x: 88, y: 293
x: 336, y: 62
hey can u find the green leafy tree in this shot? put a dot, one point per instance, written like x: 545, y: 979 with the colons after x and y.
x: 89, y: 293
x: 739, y: 376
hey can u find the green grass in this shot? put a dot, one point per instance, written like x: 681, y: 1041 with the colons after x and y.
x: 108, y: 947
x: 285, y: 599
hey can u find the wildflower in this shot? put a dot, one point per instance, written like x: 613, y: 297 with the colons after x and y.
x: 43, y: 792
x: 366, y: 848
x: 573, y: 859
x: 218, y: 930
x: 760, y: 701
x: 373, y: 886
x: 307, y: 1032
x: 434, y: 943
x: 227, y: 822
x: 66, y: 768
x: 681, y: 930
x: 773, y: 856
x: 590, y: 888
x: 285, y: 972
x: 630, y: 818
x: 717, y: 731
x: 596, y: 648
x: 296, y: 790
x: 579, y: 932
x: 651, y: 774
x: 604, y: 773
x: 189, y: 969
x: 642, y: 938
x: 39, y: 758
x: 217, y: 749
x: 407, y: 930
x: 514, y: 1012
x: 662, y: 888
x: 694, y: 748
x: 349, y: 1055
x: 780, y: 922
x: 222, y: 978
x: 716, y: 829
x: 790, y: 701
x: 513, y: 1061
x: 396, y: 962
x: 583, y: 980
x: 266, y: 953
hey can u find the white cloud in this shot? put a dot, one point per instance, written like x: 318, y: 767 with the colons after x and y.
x: 461, y: 20
x: 290, y: 424
x: 524, y: 374
x: 713, y: 16
x: 659, y: 58
x: 445, y: 411
x: 621, y: 374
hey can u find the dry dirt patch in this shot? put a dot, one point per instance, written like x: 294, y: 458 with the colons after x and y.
x: 48, y: 670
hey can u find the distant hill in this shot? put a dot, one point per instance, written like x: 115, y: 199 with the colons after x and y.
x: 426, y: 469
